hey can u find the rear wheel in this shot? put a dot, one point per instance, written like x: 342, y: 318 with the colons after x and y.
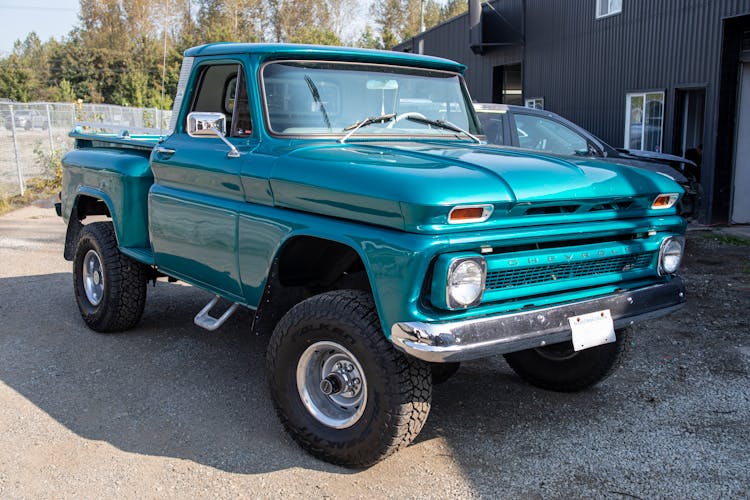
x: 559, y: 367
x: 110, y: 287
x: 340, y: 388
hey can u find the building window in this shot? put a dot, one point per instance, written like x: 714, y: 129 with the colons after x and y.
x: 644, y: 121
x: 606, y: 8
x: 535, y: 103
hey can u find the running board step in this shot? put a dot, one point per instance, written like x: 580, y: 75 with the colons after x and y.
x: 205, y: 320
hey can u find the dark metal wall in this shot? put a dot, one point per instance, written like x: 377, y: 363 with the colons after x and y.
x: 451, y: 40
x: 583, y: 67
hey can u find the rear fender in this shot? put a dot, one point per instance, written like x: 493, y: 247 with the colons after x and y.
x: 89, y: 202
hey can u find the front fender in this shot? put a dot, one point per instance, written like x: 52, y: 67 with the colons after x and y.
x: 395, y: 262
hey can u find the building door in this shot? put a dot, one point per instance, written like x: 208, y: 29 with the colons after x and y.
x: 740, y: 201
x: 688, y: 131
x: 507, y: 84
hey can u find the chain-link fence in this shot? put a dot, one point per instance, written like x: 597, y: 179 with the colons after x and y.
x: 31, y: 134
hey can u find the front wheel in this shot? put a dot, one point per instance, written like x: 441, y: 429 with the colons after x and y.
x: 340, y: 388
x: 110, y: 287
x: 559, y: 367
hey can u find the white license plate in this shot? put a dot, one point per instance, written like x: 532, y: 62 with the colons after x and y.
x: 593, y: 329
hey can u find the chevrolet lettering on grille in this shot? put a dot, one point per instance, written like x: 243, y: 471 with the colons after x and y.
x: 569, y: 257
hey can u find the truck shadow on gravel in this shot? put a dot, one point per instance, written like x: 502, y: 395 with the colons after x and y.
x: 168, y: 388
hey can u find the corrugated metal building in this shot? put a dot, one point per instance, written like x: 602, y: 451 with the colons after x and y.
x: 667, y: 75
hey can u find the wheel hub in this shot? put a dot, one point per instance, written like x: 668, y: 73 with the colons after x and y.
x: 93, y: 277
x: 331, y: 384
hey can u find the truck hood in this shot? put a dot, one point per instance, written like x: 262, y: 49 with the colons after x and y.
x: 413, y: 186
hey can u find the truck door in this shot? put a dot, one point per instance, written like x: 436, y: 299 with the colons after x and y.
x: 197, y: 191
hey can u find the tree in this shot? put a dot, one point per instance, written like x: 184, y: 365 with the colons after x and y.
x: 65, y: 92
x: 116, y: 52
x: 401, y: 19
x: 398, y: 20
x: 390, y: 16
x: 317, y: 36
x: 369, y: 40
x: 290, y: 17
x: 452, y: 9
x: 231, y: 20
x: 16, y: 81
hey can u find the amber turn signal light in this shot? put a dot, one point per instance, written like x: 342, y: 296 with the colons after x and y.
x: 463, y: 214
x: 665, y: 201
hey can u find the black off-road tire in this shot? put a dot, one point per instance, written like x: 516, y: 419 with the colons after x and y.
x: 442, y: 372
x: 124, y: 281
x: 399, y: 388
x: 559, y: 368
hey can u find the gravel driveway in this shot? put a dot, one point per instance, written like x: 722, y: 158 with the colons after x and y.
x: 169, y: 410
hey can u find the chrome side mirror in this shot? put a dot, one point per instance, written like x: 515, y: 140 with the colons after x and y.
x: 202, y: 124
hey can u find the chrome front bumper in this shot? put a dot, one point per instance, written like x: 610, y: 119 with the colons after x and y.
x: 488, y: 336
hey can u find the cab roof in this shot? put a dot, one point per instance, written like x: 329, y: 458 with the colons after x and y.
x: 270, y: 51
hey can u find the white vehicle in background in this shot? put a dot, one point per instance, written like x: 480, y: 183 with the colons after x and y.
x: 27, y: 119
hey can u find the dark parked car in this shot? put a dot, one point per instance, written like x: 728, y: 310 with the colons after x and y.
x: 27, y: 119
x: 542, y: 130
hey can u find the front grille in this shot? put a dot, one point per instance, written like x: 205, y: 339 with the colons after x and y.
x: 499, y: 280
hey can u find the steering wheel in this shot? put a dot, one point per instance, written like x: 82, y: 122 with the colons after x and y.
x: 403, y: 116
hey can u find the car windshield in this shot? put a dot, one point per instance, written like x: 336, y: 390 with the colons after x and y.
x: 329, y: 98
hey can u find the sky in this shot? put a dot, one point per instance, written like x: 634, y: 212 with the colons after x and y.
x: 49, y: 18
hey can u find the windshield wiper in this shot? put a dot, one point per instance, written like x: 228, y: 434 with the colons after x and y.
x: 367, y: 121
x: 444, y: 124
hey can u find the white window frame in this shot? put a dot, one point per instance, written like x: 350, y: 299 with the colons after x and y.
x: 534, y: 103
x: 628, y: 97
x: 612, y: 8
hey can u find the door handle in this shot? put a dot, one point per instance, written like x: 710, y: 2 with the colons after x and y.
x: 164, y: 151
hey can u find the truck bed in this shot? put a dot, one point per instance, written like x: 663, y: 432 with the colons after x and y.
x: 108, y: 140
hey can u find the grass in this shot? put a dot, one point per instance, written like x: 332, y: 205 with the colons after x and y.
x: 729, y: 239
x: 37, y: 188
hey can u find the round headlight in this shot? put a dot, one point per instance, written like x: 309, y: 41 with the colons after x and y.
x: 670, y: 255
x: 466, y: 282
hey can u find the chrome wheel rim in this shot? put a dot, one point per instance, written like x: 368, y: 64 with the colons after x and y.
x: 331, y: 384
x: 93, y: 277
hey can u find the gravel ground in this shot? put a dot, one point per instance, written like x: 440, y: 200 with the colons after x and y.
x: 169, y: 410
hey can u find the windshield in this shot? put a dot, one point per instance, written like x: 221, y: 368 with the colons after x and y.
x: 329, y: 98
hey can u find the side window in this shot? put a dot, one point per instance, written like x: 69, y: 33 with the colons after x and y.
x: 542, y: 134
x: 241, y: 126
x: 492, y: 125
x: 222, y: 88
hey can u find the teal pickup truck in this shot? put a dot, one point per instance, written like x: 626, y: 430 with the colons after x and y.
x: 348, y: 198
